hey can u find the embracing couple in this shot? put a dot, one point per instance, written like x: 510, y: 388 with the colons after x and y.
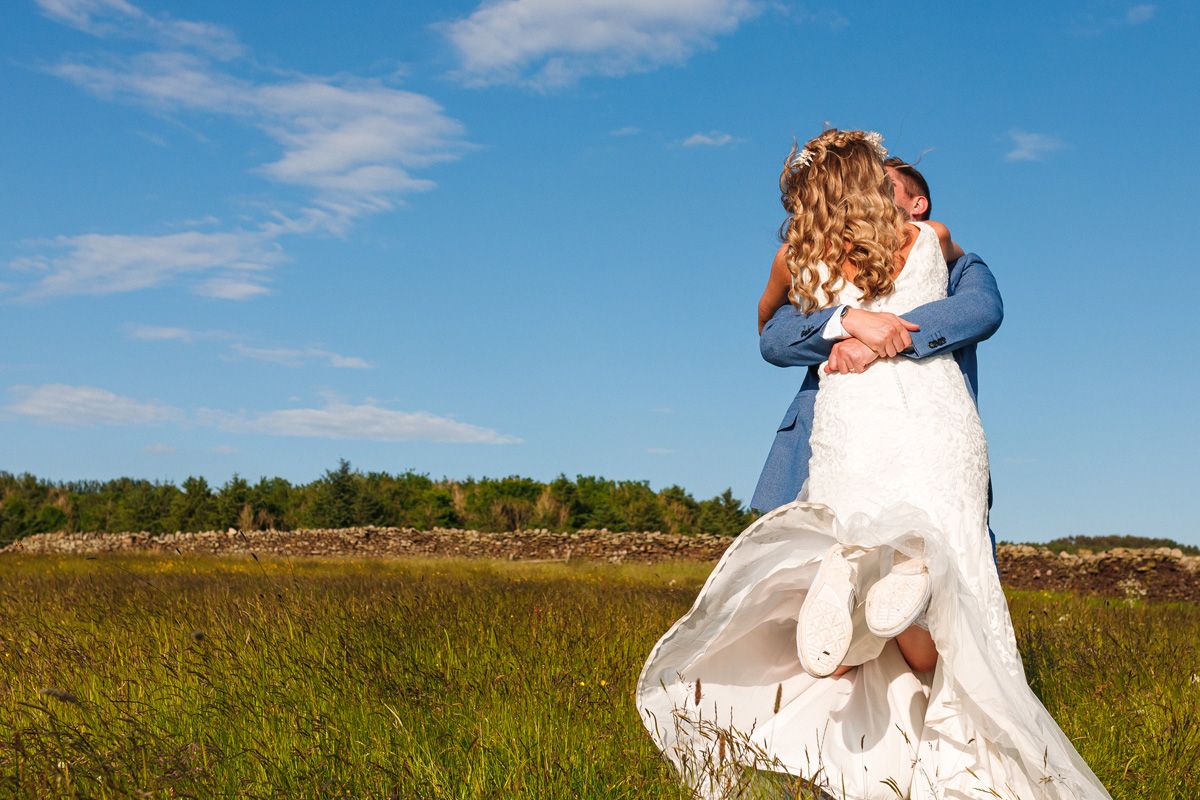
x: 856, y: 636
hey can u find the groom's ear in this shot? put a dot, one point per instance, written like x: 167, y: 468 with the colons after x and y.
x: 920, y: 209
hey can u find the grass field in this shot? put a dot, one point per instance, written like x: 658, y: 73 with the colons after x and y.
x: 193, y: 677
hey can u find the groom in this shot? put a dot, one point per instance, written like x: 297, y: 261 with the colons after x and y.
x: 851, y: 339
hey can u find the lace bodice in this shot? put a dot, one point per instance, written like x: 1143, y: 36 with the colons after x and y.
x: 900, y: 412
x: 922, y: 280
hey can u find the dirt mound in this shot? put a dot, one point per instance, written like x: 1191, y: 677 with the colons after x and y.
x: 1153, y: 574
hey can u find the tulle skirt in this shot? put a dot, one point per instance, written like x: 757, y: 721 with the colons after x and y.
x: 724, y: 696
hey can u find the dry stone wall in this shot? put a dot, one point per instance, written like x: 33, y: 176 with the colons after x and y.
x: 1152, y: 574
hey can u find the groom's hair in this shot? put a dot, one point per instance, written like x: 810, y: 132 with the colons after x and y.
x: 913, y: 181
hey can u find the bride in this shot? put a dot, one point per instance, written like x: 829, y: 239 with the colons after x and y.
x: 858, y: 638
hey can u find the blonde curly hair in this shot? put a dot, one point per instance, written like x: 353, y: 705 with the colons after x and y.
x: 839, y: 199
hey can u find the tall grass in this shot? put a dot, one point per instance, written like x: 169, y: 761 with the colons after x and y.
x: 191, y: 677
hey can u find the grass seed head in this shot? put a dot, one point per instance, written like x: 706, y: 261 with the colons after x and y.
x: 59, y: 694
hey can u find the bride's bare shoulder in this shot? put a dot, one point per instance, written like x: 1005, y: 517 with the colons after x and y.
x: 943, y: 233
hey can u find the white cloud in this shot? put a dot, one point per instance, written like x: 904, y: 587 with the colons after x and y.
x: 61, y: 404
x: 163, y: 333
x: 123, y: 19
x: 1031, y: 146
x: 286, y: 356
x: 628, y: 130
x: 153, y: 138
x: 353, y: 143
x: 347, y: 362
x: 550, y: 43
x: 825, y: 17
x: 85, y: 405
x: 224, y: 450
x: 1140, y: 13
x: 290, y: 357
x: 340, y: 137
x: 158, y: 449
x: 227, y: 288
x: 366, y: 421
x: 1093, y: 25
x: 111, y: 263
x: 710, y: 139
x: 159, y: 333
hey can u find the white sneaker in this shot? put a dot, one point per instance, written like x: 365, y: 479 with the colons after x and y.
x: 824, y: 628
x: 899, y: 597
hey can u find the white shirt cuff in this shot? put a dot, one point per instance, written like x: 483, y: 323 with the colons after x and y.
x: 833, y: 329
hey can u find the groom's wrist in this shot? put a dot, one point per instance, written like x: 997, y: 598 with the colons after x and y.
x: 834, y: 331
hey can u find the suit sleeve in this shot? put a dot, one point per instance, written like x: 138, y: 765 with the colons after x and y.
x: 972, y: 313
x: 793, y: 339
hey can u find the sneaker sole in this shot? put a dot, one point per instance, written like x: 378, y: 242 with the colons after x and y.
x: 822, y: 637
x: 891, y: 611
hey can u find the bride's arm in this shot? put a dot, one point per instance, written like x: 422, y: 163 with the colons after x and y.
x: 775, y: 296
x: 972, y: 313
x: 788, y: 337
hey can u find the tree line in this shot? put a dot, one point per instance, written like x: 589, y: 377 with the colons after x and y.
x: 345, y: 497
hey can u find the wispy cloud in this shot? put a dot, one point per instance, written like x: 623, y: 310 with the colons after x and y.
x: 60, y: 404
x: 365, y: 421
x: 228, y: 288
x: 1028, y: 146
x: 549, y: 43
x: 158, y: 449
x: 1097, y: 25
x: 342, y: 137
x: 628, y: 130
x: 824, y: 17
x: 113, y: 263
x: 710, y: 139
x: 285, y: 356
x: 1140, y: 13
x: 290, y: 357
x: 164, y: 333
x: 354, y: 144
x: 125, y: 20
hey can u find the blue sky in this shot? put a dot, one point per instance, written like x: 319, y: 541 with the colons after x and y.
x: 528, y: 237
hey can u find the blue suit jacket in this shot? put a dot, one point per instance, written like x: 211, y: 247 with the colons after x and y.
x: 971, y: 313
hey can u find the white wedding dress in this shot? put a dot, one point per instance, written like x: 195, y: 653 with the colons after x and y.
x: 899, y: 462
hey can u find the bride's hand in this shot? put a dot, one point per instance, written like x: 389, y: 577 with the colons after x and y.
x: 850, y: 355
x: 884, y: 333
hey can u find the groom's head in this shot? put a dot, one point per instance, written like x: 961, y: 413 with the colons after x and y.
x: 910, y: 188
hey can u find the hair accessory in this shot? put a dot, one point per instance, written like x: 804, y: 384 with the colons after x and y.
x: 801, y: 159
x: 873, y: 138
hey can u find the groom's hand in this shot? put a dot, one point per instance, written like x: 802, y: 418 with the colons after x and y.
x: 884, y: 333
x: 850, y: 355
